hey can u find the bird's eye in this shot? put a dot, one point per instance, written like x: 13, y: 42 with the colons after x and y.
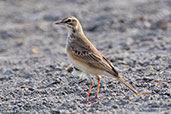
x: 68, y: 21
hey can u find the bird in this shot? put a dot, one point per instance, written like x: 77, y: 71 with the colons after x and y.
x: 85, y: 57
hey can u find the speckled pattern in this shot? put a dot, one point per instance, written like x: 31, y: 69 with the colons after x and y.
x: 134, y: 35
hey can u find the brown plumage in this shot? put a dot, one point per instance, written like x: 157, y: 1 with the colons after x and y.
x: 85, y: 56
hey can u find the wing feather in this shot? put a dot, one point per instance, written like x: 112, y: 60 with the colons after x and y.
x: 88, y: 54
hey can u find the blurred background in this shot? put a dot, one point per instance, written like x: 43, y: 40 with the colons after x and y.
x: 135, y: 35
x: 27, y: 24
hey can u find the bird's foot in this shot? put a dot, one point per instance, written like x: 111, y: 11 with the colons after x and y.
x: 93, y: 100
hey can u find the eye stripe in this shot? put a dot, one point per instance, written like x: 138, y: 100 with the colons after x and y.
x: 67, y: 21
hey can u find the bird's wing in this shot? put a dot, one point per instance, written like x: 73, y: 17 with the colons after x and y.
x: 88, y: 54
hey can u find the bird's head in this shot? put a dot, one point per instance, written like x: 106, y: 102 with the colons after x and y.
x: 71, y: 23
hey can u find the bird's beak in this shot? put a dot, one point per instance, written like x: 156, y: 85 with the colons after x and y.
x: 59, y: 22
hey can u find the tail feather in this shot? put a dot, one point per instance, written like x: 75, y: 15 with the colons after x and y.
x: 126, y: 84
x: 112, y: 70
x: 115, y: 73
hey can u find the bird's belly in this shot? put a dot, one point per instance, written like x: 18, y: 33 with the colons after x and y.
x: 85, y: 67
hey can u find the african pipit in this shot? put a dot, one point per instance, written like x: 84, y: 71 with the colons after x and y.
x: 85, y: 56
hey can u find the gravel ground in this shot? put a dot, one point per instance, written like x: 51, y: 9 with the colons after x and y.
x: 134, y: 35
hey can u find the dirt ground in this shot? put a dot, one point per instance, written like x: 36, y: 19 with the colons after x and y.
x: 135, y: 35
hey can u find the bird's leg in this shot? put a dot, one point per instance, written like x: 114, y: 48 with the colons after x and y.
x: 89, y: 89
x: 95, y: 99
x: 98, y: 84
x: 92, y: 100
x: 89, y: 92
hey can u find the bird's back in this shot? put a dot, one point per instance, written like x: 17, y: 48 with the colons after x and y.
x: 81, y: 49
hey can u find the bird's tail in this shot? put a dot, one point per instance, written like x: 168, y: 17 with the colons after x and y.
x: 115, y: 73
x: 126, y: 84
